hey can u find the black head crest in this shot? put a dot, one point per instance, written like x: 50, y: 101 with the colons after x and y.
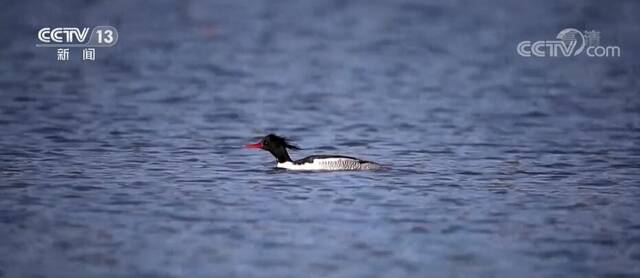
x: 279, y: 140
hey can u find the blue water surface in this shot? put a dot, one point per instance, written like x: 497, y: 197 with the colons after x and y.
x: 501, y: 166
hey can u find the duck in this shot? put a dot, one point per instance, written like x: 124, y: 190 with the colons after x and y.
x: 278, y: 146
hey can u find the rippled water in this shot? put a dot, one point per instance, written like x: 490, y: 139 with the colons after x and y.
x: 132, y: 166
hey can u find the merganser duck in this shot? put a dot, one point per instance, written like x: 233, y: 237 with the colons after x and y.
x: 278, y: 146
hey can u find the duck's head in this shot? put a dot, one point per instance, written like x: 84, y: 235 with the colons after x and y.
x: 276, y: 145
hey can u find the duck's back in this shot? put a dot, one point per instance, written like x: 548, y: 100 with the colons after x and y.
x: 329, y: 162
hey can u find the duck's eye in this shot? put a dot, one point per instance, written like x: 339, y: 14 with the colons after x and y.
x: 265, y: 143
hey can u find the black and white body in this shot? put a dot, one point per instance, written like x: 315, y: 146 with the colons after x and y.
x: 278, y: 146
